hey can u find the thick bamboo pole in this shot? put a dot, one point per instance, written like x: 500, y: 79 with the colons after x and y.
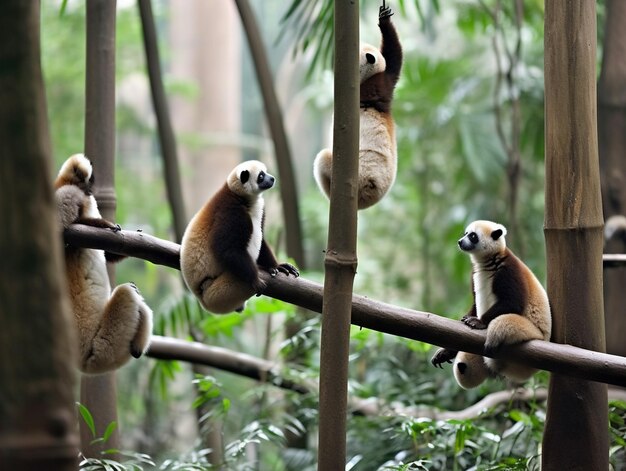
x: 366, y: 312
x: 573, y: 233
x: 341, y: 259
x: 37, y: 340
x: 98, y: 393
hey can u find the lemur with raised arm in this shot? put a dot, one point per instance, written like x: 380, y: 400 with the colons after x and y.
x: 379, y: 71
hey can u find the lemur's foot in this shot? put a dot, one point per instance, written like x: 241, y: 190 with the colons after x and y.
x: 474, y: 322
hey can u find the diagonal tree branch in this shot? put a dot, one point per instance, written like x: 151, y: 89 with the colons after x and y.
x: 167, y: 138
x: 417, y: 325
x: 167, y: 348
x: 273, y: 114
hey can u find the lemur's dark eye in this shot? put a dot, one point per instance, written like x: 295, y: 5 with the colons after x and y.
x: 473, y: 237
x: 261, y: 177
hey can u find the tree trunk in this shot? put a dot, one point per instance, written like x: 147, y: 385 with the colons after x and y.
x: 98, y: 393
x: 202, y: 34
x: 573, y: 233
x: 37, y: 342
x: 612, y: 141
x: 167, y: 139
x: 341, y: 257
x: 289, y: 195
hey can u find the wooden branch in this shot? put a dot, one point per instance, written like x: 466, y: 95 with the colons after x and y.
x: 167, y: 348
x: 483, y: 408
x: 133, y: 244
x: 417, y: 325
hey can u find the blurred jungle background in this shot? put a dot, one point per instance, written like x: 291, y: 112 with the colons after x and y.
x: 469, y: 116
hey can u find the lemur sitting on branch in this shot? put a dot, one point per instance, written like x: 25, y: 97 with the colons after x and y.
x: 509, y: 302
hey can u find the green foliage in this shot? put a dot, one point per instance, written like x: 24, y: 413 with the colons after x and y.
x: 476, y: 444
x: 312, y: 23
x: 451, y: 170
x: 617, y: 428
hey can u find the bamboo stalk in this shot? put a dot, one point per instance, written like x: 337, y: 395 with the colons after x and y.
x: 341, y: 258
x: 573, y: 233
x: 98, y: 393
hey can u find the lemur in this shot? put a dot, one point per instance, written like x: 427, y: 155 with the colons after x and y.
x: 379, y: 71
x: 111, y: 326
x: 223, y: 246
x: 509, y: 302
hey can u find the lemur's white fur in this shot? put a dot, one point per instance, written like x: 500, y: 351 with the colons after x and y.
x: 614, y: 227
x: 111, y: 326
x: 368, y: 68
x: 256, y: 215
x: 509, y: 302
x: 223, y: 243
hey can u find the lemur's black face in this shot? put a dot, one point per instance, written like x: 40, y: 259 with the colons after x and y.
x: 483, y: 238
x: 265, y: 181
x: 469, y: 241
x: 250, y: 179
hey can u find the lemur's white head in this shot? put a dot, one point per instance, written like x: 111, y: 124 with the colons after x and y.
x: 371, y: 62
x: 250, y: 178
x: 76, y: 170
x: 483, y: 239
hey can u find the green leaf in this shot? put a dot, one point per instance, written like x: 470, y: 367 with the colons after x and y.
x: 63, y: 7
x: 109, y: 430
x: 87, y: 418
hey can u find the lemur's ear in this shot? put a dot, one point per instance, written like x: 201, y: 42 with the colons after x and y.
x: 244, y: 176
x: 495, y: 235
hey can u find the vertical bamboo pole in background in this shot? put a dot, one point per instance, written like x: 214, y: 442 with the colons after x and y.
x: 612, y: 147
x: 576, y: 430
x: 98, y: 393
x: 341, y: 258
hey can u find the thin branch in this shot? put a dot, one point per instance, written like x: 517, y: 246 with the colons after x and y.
x: 485, y: 407
x: 417, y: 325
x: 166, y: 348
